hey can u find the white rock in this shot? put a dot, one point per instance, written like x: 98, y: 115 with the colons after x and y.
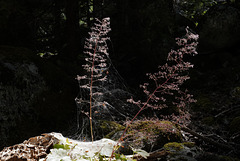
x: 80, y: 151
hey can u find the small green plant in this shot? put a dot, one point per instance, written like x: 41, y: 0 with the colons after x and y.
x: 58, y: 146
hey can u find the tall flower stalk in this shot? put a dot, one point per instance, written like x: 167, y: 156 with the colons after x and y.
x: 96, y: 67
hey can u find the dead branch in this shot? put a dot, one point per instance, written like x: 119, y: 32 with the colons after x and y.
x: 217, y: 144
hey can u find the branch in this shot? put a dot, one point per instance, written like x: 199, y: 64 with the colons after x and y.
x: 217, y: 144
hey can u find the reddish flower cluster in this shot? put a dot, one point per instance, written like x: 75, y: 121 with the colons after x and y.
x: 168, y: 80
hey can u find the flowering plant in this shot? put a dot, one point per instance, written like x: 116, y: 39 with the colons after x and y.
x: 168, y: 80
x: 96, y: 67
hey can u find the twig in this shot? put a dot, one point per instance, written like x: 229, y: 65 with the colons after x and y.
x: 227, y: 110
x: 217, y: 144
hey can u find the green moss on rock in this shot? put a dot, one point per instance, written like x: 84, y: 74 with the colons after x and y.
x: 156, y: 133
x: 186, y: 151
x: 173, y: 146
x: 189, y: 144
x: 109, y: 128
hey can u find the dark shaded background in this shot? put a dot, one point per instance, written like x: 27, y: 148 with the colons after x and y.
x: 51, y: 34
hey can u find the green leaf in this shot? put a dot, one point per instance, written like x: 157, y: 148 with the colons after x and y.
x: 117, y: 156
x: 123, y: 158
x: 100, y: 158
x: 67, y: 146
x: 67, y: 141
x: 58, y: 146
x: 61, y: 146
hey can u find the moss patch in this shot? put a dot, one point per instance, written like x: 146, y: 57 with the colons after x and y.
x: 173, y: 146
x: 156, y: 133
x: 189, y: 144
x: 109, y: 128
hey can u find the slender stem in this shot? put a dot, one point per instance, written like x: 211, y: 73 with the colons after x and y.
x: 91, y: 84
x: 90, y: 100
